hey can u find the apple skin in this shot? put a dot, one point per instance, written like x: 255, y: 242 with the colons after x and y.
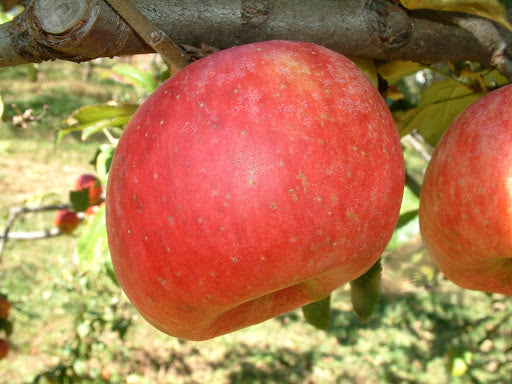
x: 66, y: 220
x: 257, y: 180
x: 85, y: 181
x: 466, y: 197
x: 5, y: 307
x: 4, y: 348
x: 93, y: 209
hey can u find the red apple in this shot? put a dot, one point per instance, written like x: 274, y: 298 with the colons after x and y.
x: 93, y: 209
x: 255, y: 181
x: 66, y: 220
x: 466, y: 198
x: 93, y: 183
x: 4, y: 348
x: 5, y: 306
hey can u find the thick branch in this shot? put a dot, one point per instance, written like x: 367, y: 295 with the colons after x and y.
x: 80, y: 30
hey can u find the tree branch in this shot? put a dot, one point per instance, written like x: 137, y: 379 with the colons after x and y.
x: 34, y: 235
x: 80, y: 30
x: 16, y: 212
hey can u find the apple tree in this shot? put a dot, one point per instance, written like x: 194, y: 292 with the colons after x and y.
x: 430, y: 66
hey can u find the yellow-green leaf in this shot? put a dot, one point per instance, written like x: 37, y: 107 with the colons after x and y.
x: 395, y: 70
x: 98, y: 112
x: 102, y: 161
x: 137, y: 77
x: 92, y: 247
x: 440, y: 103
x: 91, y: 119
x: 367, y: 66
x: 408, y: 225
x: 489, y: 9
x: 318, y: 313
x: 365, y: 292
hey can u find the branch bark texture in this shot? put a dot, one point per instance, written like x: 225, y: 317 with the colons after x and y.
x: 80, y: 30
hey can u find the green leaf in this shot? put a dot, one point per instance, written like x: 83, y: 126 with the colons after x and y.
x: 367, y: 66
x: 489, y: 9
x: 440, y: 103
x: 102, y: 160
x: 121, y: 326
x: 92, y: 129
x: 395, y: 70
x: 408, y: 225
x: 109, y: 268
x: 6, y: 326
x: 94, y: 118
x: 410, y: 201
x: 92, y: 247
x: 135, y: 76
x: 494, y: 78
x: 365, y: 292
x: 318, y: 313
x: 79, y: 199
x: 98, y: 112
x: 408, y: 228
x: 506, y: 3
x: 406, y: 217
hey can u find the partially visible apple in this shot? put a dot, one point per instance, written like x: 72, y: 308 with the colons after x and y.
x: 91, y: 211
x: 85, y: 181
x: 4, y: 348
x: 466, y: 198
x: 5, y: 306
x: 255, y: 181
x: 66, y: 220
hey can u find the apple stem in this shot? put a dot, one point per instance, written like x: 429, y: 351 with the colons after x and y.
x: 153, y: 36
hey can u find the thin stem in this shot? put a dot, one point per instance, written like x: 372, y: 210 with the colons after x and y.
x: 17, y: 212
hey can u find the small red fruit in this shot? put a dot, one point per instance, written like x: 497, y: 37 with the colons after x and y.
x: 255, y: 181
x: 5, y: 306
x: 93, y: 183
x: 4, y: 348
x: 93, y: 209
x: 66, y: 220
x: 466, y: 197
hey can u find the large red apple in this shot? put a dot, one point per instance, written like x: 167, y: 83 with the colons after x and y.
x: 255, y: 181
x: 466, y: 197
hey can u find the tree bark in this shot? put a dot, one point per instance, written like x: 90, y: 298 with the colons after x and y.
x: 81, y: 30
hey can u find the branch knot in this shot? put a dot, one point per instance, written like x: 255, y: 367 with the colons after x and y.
x: 394, y: 24
x: 255, y: 12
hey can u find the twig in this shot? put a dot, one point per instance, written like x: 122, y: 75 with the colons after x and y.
x: 418, y: 146
x: 34, y: 235
x: 155, y: 37
x: 17, y: 212
x: 112, y: 140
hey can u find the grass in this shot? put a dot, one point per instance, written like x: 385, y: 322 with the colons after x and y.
x: 421, y: 322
